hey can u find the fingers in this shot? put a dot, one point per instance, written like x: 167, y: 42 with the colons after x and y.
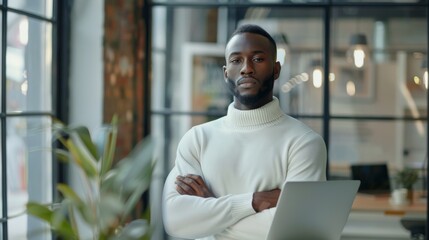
x: 191, y: 180
x: 183, y: 187
x: 197, y: 178
x: 188, y: 185
x: 192, y: 184
x: 266, y: 199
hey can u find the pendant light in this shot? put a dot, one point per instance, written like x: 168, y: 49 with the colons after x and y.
x: 282, y: 47
x: 358, y: 50
x: 317, y: 73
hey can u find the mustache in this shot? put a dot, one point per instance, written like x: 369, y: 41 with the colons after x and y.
x: 241, y: 79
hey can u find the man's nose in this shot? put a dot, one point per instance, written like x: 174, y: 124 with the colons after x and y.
x: 247, y: 67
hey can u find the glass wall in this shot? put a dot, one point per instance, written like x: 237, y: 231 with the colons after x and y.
x: 354, y: 71
x: 379, y: 90
x: 26, y: 96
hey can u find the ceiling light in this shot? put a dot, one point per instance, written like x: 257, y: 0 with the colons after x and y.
x: 282, y: 47
x: 358, y: 50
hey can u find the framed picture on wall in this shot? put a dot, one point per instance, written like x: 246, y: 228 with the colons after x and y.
x: 349, y: 82
x: 203, y: 88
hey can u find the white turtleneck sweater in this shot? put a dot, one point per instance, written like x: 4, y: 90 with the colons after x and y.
x: 239, y: 154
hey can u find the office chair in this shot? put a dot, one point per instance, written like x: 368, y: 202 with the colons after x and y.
x: 416, y: 225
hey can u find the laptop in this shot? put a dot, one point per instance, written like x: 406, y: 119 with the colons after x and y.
x: 313, y: 210
x: 374, y: 178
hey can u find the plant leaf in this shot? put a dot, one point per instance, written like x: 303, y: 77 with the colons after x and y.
x: 76, y: 203
x: 81, y: 155
x: 85, y: 136
x: 137, y: 165
x: 69, y: 193
x: 109, y: 147
x: 62, y: 155
x: 137, y: 190
x: 44, y: 213
x: 40, y: 211
x: 132, y: 202
x: 59, y: 221
x: 108, y: 209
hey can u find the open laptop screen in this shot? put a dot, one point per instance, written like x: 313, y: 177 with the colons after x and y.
x: 374, y: 178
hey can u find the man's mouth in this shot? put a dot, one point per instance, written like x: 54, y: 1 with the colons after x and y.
x: 246, y: 82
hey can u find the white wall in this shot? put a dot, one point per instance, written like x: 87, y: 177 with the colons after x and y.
x: 86, y: 69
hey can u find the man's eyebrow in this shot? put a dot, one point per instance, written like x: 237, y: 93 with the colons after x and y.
x: 239, y: 53
x: 233, y: 54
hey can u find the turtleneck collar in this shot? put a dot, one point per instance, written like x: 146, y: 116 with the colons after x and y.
x: 264, y: 115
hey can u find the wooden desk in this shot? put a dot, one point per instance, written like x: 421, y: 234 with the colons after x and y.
x: 380, y: 203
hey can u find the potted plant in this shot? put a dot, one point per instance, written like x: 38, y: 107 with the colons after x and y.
x: 406, y: 178
x: 111, y: 191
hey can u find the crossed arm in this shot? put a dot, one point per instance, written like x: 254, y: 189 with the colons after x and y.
x: 194, y: 185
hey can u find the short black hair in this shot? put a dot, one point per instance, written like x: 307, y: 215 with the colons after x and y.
x: 255, y: 29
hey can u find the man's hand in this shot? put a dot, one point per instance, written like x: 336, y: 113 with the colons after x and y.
x: 194, y: 185
x: 265, y: 200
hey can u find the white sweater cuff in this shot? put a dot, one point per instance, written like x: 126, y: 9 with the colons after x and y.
x: 242, y: 206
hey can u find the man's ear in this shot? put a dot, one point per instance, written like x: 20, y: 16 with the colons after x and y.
x: 225, y: 74
x: 277, y: 68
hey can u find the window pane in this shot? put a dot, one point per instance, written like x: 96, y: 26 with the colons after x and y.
x: 385, y: 76
x: 194, y: 73
x: 29, y: 64
x: 414, y: 143
x: 397, y: 143
x: 29, y: 168
x: 39, y: 7
x: 197, y: 56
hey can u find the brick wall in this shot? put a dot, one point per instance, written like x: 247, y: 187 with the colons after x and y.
x: 124, y: 57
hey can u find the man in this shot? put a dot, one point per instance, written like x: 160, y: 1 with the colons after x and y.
x: 228, y: 172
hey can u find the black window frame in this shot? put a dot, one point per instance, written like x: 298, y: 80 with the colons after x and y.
x: 60, y: 22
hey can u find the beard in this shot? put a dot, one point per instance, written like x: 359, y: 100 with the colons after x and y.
x: 250, y: 100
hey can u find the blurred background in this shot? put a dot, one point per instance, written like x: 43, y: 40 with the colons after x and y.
x: 355, y: 71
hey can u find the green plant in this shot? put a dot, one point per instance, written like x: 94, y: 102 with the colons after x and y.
x: 111, y: 191
x: 406, y: 178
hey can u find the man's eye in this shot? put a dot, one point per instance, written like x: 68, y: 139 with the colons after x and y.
x: 234, y: 61
x: 258, y: 59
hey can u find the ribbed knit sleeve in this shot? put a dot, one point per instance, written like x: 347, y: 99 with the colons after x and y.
x: 192, y: 216
x: 196, y: 217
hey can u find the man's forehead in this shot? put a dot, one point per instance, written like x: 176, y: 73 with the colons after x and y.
x: 247, y: 42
